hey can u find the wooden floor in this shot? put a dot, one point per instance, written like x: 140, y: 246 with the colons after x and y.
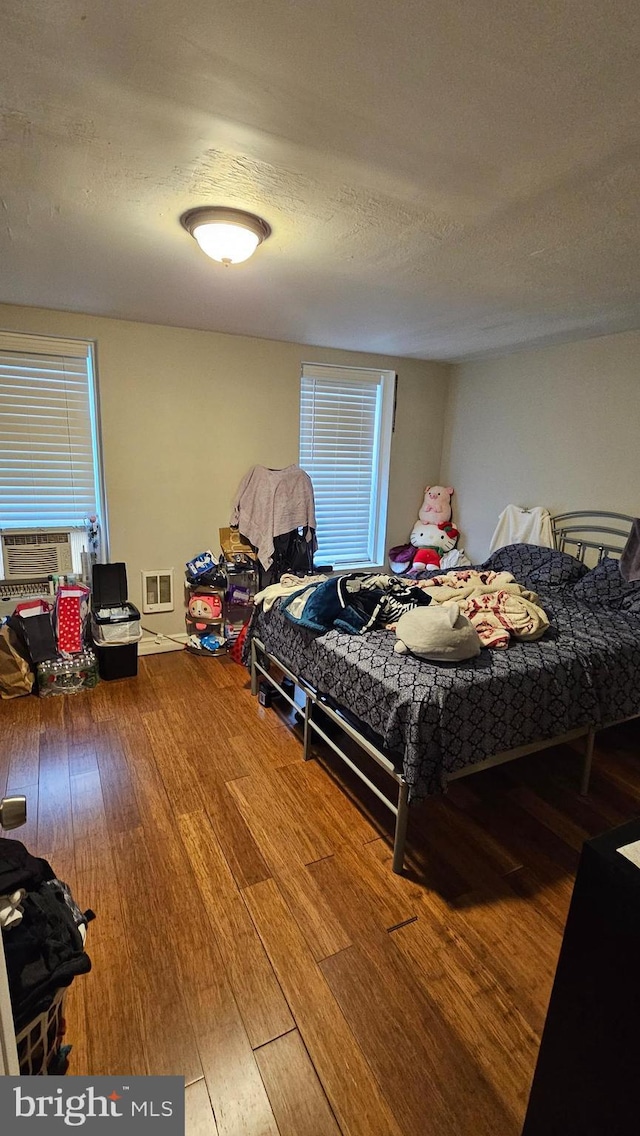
x: 250, y: 934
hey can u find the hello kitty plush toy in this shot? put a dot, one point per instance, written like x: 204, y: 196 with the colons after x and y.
x: 436, y: 507
x: 431, y: 541
x: 435, y: 512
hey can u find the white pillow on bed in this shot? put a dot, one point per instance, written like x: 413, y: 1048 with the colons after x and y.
x: 439, y: 633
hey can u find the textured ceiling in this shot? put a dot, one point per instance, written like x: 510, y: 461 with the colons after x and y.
x: 443, y: 180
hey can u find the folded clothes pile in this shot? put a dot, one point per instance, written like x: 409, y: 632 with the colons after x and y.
x: 353, y: 603
x: 42, y: 930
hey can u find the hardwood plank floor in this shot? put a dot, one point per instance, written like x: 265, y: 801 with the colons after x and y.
x: 250, y: 935
x: 357, y: 1099
x: 299, y: 1103
x: 261, y: 1002
x: 199, y: 1119
x: 406, y: 1021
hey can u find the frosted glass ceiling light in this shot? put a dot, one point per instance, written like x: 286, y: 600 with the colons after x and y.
x: 227, y: 235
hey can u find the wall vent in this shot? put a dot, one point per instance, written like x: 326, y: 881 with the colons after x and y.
x: 157, y: 591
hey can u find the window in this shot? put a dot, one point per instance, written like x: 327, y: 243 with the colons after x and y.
x: 49, y: 452
x: 346, y: 422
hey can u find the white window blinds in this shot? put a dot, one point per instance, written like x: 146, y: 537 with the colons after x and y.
x: 49, y: 464
x: 346, y: 416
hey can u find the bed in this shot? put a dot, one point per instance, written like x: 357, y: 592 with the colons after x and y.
x: 426, y: 725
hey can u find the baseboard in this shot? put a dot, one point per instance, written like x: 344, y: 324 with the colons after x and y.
x: 159, y: 644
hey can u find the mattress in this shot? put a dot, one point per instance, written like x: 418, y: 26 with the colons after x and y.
x: 435, y: 719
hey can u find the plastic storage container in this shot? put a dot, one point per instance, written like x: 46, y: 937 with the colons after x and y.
x: 242, y: 585
x: 204, y: 618
x: 118, y: 662
x: 68, y: 676
x: 115, y: 623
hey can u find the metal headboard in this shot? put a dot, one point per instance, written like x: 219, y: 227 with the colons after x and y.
x: 606, y: 533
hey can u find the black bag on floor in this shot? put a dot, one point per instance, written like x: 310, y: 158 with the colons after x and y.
x: 36, y: 633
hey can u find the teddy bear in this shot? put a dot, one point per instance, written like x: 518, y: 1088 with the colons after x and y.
x: 431, y: 541
x: 436, y: 507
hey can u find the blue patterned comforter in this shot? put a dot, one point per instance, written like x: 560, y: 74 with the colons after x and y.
x: 436, y: 718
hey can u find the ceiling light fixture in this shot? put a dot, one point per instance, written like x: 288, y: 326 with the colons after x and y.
x: 227, y: 235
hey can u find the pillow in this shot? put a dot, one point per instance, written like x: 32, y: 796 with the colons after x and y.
x: 439, y: 633
x: 533, y: 564
x: 603, y: 586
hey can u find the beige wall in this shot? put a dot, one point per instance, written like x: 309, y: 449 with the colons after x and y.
x: 558, y: 427
x: 185, y: 414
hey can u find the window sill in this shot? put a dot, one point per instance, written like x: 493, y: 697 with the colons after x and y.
x: 373, y: 568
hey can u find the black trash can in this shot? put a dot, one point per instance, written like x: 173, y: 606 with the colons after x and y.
x: 115, y: 623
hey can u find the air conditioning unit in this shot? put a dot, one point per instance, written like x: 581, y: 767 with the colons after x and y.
x: 37, y: 553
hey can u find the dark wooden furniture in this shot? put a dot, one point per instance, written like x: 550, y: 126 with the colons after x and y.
x: 586, y: 1081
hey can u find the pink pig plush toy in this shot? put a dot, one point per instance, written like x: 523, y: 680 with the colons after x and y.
x: 433, y: 534
x: 436, y: 507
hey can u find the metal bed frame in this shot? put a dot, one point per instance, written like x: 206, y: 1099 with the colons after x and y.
x: 586, y: 536
x: 582, y: 537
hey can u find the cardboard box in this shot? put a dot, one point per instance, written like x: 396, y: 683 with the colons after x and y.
x: 232, y: 542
